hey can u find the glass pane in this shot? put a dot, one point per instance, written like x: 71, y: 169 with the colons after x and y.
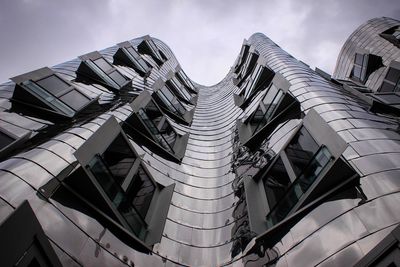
x: 53, y: 85
x: 118, y: 78
x: 119, y: 158
x: 74, y: 99
x: 276, y: 183
x: 359, y: 59
x: 299, y: 187
x: 103, y: 64
x: 102, y: 75
x: 357, y: 72
x: 170, y: 100
x: 141, y: 192
x: 300, y: 150
x: 5, y: 140
x: 386, y: 87
x: 393, y: 75
x: 169, y: 134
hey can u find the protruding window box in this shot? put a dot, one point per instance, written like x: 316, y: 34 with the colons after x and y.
x: 24, y: 241
x: 244, y: 52
x: 116, y: 186
x: 179, y: 89
x: 49, y: 95
x: 126, y: 55
x: 387, y: 103
x: 148, y: 47
x: 148, y: 125
x: 10, y: 141
x: 170, y: 104
x: 276, y: 106
x: 260, y: 79
x: 391, y: 83
x: 184, y: 79
x: 249, y: 64
x: 96, y: 68
x: 392, y: 35
x: 306, y: 170
x: 364, y: 64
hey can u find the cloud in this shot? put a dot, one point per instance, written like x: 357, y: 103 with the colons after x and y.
x: 205, y: 35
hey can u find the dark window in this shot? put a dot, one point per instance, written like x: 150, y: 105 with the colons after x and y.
x: 297, y: 189
x: 392, y: 35
x: 169, y: 99
x: 266, y: 109
x: 5, y: 140
x: 103, y: 64
x: 130, y: 195
x: 301, y: 150
x: 391, y: 83
x: 276, y: 183
x: 118, y: 78
x: 54, y: 85
x: 75, y: 99
x: 364, y: 65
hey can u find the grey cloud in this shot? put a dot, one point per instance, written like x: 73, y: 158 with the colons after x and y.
x: 205, y: 35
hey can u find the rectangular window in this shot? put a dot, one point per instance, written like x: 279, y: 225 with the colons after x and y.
x: 300, y: 150
x: 391, y: 83
x: 298, y: 188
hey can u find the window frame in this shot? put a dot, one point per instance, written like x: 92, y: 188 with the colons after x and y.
x: 124, y: 56
x: 89, y: 69
x: 157, y: 211
x: 28, y: 83
x: 176, y: 152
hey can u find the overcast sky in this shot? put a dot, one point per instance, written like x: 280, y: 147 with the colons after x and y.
x: 205, y: 35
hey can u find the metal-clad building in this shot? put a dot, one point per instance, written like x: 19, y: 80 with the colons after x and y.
x: 117, y: 158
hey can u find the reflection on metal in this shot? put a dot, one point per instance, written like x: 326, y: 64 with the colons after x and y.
x: 217, y: 201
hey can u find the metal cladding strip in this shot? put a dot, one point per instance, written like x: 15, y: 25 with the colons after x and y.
x: 201, y: 224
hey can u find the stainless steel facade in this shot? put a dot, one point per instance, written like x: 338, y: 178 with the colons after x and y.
x: 216, y: 215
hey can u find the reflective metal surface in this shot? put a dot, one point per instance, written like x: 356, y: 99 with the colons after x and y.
x: 207, y: 221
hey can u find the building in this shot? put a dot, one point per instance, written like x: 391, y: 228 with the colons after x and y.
x: 117, y: 158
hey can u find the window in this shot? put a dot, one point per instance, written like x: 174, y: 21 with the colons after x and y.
x: 32, y: 247
x: 55, y: 95
x: 391, y: 83
x: 259, y: 79
x: 244, y: 52
x: 117, y: 187
x: 95, y: 67
x: 171, y: 104
x: 178, y: 88
x: 392, y: 35
x: 9, y: 141
x: 364, y: 65
x: 184, y: 79
x: 306, y: 168
x: 275, y: 106
x: 148, y: 123
x: 127, y: 55
x: 129, y: 192
x: 147, y: 46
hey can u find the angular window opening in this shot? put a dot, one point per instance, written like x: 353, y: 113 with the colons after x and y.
x: 32, y: 247
x: 364, y: 65
x: 117, y: 186
x: 244, y: 52
x: 148, y: 47
x: 392, y: 35
x: 43, y: 90
x: 391, y: 83
x: 148, y: 123
x: 184, y: 79
x: 10, y: 142
x: 171, y: 104
x: 260, y: 78
x: 179, y: 89
x: 276, y: 106
x: 128, y: 56
x: 96, y: 68
x: 306, y: 168
x: 299, y: 187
